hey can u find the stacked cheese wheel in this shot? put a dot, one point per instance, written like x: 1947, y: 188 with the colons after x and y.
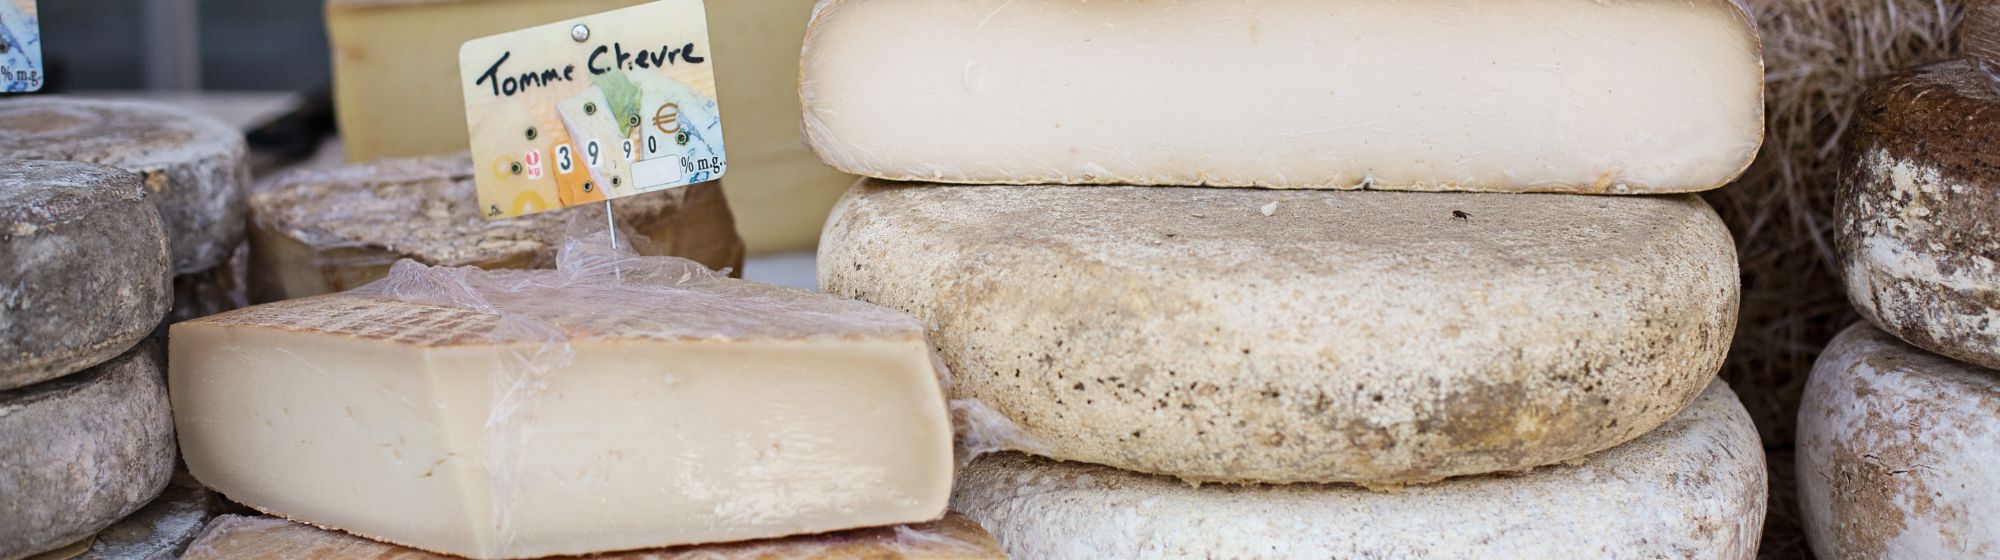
x: 1173, y: 253
x: 1896, y: 451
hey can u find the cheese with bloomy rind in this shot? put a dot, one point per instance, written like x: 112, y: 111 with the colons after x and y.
x: 1542, y: 96
x: 1917, y: 236
x: 1695, y: 488
x: 953, y: 538
x: 1897, y: 456
x: 1295, y: 336
x: 611, y: 404
x: 83, y: 268
x: 82, y: 452
x: 319, y: 231
x: 193, y: 166
x: 162, y: 529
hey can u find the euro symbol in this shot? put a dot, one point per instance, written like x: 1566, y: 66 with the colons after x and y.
x: 668, y: 118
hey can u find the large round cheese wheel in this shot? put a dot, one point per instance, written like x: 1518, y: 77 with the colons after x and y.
x: 83, y: 268
x: 1898, y: 455
x: 82, y: 452
x: 193, y: 166
x: 162, y: 529
x: 1292, y: 336
x: 1695, y: 488
x: 1919, y: 217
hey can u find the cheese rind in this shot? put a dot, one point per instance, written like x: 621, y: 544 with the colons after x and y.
x: 83, y: 268
x: 616, y: 403
x: 193, y: 167
x: 1918, y: 241
x: 1695, y: 488
x: 1542, y: 96
x: 82, y: 452
x: 1302, y: 336
x: 1896, y: 452
x: 162, y: 529
x: 319, y: 231
x: 954, y: 538
x: 1981, y: 33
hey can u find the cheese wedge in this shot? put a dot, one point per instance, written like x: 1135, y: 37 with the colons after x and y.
x: 615, y: 403
x: 317, y: 231
x: 1641, y: 96
x: 954, y: 538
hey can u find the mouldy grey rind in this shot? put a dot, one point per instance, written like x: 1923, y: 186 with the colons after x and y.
x: 83, y: 452
x: 162, y: 529
x: 1364, y: 336
x: 1919, y: 216
x: 83, y: 268
x: 1695, y: 488
x: 193, y: 167
x: 1897, y: 456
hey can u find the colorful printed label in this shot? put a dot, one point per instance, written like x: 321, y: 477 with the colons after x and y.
x: 20, y: 47
x: 599, y: 107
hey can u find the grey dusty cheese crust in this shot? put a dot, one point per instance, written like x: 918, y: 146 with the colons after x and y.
x: 1919, y: 216
x: 192, y: 166
x: 82, y: 452
x: 83, y: 268
x: 1302, y: 336
x: 1694, y: 488
x: 162, y: 529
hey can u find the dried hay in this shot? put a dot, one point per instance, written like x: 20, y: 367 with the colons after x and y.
x: 1818, y: 57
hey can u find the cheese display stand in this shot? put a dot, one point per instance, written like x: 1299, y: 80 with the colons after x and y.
x: 1069, y: 279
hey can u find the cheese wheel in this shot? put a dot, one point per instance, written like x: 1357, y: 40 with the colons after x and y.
x: 162, y: 529
x: 1896, y: 455
x: 1918, y: 239
x: 1695, y: 488
x: 193, y: 167
x: 83, y: 268
x: 318, y: 231
x: 1302, y: 336
x: 82, y: 452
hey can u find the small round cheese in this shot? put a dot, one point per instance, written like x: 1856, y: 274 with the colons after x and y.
x: 83, y: 268
x: 1897, y: 456
x: 1695, y: 488
x: 1302, y: 336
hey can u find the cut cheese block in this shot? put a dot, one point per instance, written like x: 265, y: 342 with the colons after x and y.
x: 1918, y: 238
x: 319, y: 231
x: 82, y: 452
x: 83, y: 268
x: 1981, y: 33
x: 612, y: 404
x: 1539, y: 96
x: 162, y: 529
x: 396, y: 85
x: 954, y: 537
x: 1292, y: 336
x: 1695, y: 488
x: 1897, y: 457
x: 193, y: 166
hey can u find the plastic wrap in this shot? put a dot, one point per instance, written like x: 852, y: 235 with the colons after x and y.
x: 234, y: 537
x: 326, y: 230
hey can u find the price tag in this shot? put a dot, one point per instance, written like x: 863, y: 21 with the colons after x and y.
x: 20, y: 47
x: 603, y: 106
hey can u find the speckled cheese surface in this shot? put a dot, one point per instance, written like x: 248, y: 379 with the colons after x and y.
x: 1919, y: 216
x: 83, y: 268
x: 81, y: 452
x: 1644, y: 96
x: 1290, y: 336
x: 192, y: 166
x: 162, y: 529
x: 1899, y: 452
x: 1695, y: 488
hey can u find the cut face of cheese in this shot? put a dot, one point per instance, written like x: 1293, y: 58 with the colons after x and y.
x: 952, y: 538
x: 615, y: 403
x: 1897, y: 457
x: 1545, y: 95
x: 318, y: 231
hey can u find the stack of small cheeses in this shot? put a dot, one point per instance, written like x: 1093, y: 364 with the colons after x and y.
x: 1897, y: 456
x: 86, y: 274
x: 1319, y: 366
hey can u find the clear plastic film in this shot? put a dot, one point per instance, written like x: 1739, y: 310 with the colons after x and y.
x: 232, y: 537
